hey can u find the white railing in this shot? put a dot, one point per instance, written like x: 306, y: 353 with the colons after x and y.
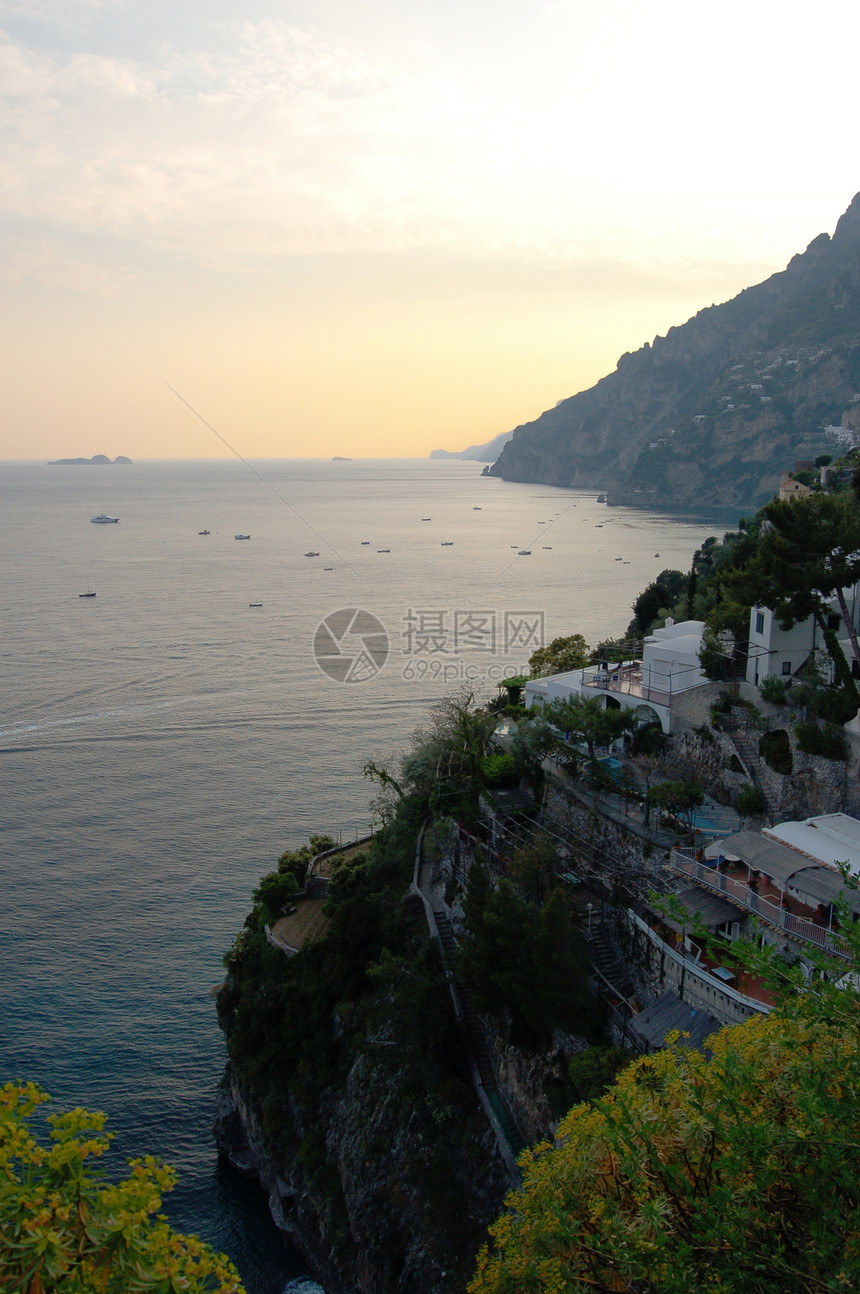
x: 741, y: 893
x: 692, y: 967
x: 628, y: 682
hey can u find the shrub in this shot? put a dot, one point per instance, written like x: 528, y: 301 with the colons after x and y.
x: 825, y: 740
x: 592, y: 1071
x: 773, y: 689
x: 500, y: 770
x: 65, y: 1226
x: 835, y: 704
x: 274, y: 891
x: 775, y: 750
x: 649, y: 739
x: 751, y: 801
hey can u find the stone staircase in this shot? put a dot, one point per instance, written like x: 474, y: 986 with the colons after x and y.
x: 746, y: 747
x: 607, y: 962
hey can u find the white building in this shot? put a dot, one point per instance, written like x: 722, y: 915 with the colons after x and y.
x: 669, y: 666
x: 784, y: 652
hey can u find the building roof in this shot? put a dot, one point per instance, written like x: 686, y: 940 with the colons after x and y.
x: 823, y: 885
x: 670, y: 1012
x: 830, y: 838
x: 679, y: 629
x: 685, y: 648
x: 702, y: 906
x: 761, y: 853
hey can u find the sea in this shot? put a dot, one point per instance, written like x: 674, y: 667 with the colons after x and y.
x: 162, y: 742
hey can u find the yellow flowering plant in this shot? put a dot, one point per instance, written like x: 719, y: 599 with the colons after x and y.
x: 65, y: 1228
x: 731, y: 1172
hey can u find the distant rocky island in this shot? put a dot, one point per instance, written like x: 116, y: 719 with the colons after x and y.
x: 709, y: 415
x: 97, y: 460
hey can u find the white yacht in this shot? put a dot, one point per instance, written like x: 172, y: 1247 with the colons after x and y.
x: 104, y: 520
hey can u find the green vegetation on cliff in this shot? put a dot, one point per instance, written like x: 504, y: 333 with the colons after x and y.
x: 350, y: 1055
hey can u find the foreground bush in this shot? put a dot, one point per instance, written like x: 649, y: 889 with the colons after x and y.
x: 729, y: 1175
x: 64, y: 1228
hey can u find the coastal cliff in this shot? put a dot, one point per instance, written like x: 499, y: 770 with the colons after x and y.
x: 711, y: 413
x: 348, y: 1094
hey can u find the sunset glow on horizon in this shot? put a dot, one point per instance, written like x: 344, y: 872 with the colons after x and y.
x: 379, y: 229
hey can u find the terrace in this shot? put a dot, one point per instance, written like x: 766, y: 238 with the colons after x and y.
x: 766, y: 895
x: 630, y: 679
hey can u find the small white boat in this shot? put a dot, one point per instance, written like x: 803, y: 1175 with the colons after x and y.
x: 89, y: 594
x: 104, y: 520
x: 255, y: 604
x: 524, y: 552
x: 426, y: 518
x: 365, y: 543
x: 383, y: 550
x: 311, y: 554
x: 203, y: 532
x: 547, y: 548
x: 447, y: 543
x: 241, y: 536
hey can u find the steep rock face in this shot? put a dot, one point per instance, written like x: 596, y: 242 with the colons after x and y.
x: 712, y: 412
x: 375, y: 1200
x: 240, y: 1138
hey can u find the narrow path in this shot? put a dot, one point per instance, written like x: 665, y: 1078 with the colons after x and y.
x: 477, y: 1037
x: 508, y: 1136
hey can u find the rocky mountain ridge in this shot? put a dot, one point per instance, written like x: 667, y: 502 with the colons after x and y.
x: 710, y: 414
x: 487, y: 453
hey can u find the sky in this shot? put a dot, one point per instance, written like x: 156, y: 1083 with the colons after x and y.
x: 378, y: 227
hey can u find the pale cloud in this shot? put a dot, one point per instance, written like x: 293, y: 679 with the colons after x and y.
x: 51, y: 262
x: 267, y: 139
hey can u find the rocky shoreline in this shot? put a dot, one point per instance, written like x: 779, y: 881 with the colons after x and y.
x: 238, y: 1137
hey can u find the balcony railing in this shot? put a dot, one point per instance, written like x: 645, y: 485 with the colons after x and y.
x: 742, y: 894
x: 627, y: 680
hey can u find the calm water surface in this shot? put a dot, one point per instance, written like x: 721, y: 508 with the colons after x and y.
x: 163, y: 742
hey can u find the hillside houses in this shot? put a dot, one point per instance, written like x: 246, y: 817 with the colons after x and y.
x: 782, y: 885
x: 669, y: 667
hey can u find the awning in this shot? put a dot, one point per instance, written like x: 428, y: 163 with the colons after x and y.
x: 704, y: 909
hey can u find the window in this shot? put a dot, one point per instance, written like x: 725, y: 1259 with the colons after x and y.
x: 786, y: 667
x: 759, y: 622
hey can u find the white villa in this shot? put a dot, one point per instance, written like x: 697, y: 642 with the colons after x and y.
x: 784, y: 652
x: 669, y: 666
